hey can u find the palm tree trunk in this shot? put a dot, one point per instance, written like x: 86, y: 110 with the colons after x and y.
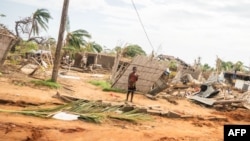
x: 60, y: 41
x: 32, y: 24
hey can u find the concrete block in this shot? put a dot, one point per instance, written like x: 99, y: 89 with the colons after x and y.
x: 173, y: 114
x: 164, y: 113
x: 154, y: 112
x: 127, y: 108
x: 150, y: 96
x: 142, y: 110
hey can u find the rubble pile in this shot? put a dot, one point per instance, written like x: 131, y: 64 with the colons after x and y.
x: 213, y: 93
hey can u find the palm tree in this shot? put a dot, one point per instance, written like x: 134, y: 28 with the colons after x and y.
x: 133, y: 50
x: 39, y: 20
x: 76, y: 39
x: 93, y: 47
x: 227, y: 66
x: 238, y: 66
x: 206, y: 67
x: 118, y: 49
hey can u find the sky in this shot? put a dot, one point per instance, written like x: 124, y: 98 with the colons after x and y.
x: 186, y: 29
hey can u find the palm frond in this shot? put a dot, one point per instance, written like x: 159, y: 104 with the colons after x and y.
x: 89, y: 111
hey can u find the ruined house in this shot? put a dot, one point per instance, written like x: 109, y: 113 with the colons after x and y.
x: 152, y: 75
x: 186, y: 73
x: 7, y: 40
x: 182, y: 64
x: 241, y: 80
x: 106, y: 61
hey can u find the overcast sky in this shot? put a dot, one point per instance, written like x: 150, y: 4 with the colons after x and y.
x: 181, y: 28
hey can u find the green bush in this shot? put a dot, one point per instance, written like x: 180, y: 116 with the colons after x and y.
x: 24, y: 47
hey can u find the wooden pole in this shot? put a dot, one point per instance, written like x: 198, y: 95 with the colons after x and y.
x: 60, y: 41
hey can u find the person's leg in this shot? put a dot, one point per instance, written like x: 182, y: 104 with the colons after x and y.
x: 132, y: 95
x: 127, y: 95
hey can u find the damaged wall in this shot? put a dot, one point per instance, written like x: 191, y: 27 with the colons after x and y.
x: 7, y: 40
x: 107, y: 61
x: 149, y: 72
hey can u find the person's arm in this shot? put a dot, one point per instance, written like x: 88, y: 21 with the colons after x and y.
x: 129, y: 76
x: 137, y: 76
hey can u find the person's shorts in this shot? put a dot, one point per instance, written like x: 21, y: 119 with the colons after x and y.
x: 132, y: 88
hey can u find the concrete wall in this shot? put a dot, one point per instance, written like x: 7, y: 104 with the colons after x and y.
x: 6, y: 42
x: 105, y: 60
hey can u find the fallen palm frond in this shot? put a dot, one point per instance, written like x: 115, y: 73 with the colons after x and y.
x: 131, y: 116
x: 91, y: 111
x: 96, y: 118
x: 31, y: 113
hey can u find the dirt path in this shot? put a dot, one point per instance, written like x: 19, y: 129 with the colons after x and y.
x: 15, y: 127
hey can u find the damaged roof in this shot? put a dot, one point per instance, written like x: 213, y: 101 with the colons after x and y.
x: 149, y: 71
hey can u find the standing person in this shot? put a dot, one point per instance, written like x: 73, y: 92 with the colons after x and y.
x: 83, y: 61
x: 132, y: 78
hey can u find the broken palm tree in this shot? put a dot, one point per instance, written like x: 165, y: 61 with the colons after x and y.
x: 89, y: 111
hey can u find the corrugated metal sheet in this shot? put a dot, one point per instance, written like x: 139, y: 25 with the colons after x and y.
x: 149, y: 72
x: 206, y: 101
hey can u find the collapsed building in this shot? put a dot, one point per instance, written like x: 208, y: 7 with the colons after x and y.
x: 97, y: 59
x: 7, y: 41
x: 153, y: 77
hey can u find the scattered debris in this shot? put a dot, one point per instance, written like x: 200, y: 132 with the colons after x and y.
x: 29, y: 68
x: 246, y: 97
x: 65, y: 116
x: 207, y: 91
x: 206, y: 101
x: 62, y: 75
x: 152, y: 76
x: 150, y: 96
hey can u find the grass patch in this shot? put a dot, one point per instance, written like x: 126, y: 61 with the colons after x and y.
x: 47, y: 83
x: 106, y: 86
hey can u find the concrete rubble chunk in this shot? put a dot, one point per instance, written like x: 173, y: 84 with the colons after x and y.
x: 164, y: 113
x: 127, y: 108
x: 246, y: 97
x: 156, y: 108
x: 173, y: 114
x: 150, y: 96
x: 218, y: 106
x: 29, y: 68
x: 153, y: 112
x: 216, y: 118
x: 142, y: 110
x: 170, y: 99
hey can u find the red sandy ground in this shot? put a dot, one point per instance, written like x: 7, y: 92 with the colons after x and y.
x: 16, y: 127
